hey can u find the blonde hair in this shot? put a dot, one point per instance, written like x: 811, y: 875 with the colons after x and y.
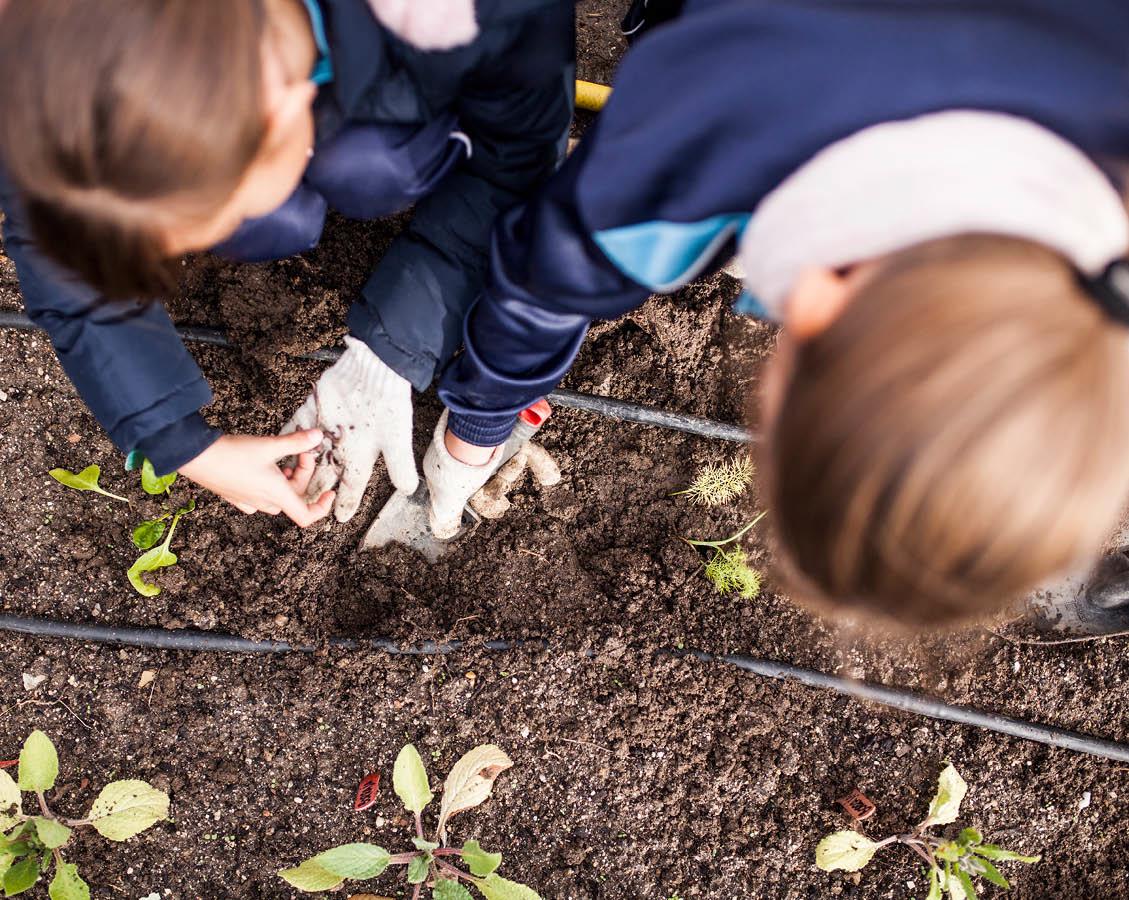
x: 959, y: 434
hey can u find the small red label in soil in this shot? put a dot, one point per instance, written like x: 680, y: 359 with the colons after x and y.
x: 366, y: 792
x: 5, y: 763
x: 857, y: 805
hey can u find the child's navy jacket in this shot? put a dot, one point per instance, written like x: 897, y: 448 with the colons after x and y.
x: 510, y: 93
x: 714, y: 110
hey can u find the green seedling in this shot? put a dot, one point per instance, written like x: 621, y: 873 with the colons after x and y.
x: 728, y: 569
x: 31, y: 846
x: 430, y: 864
x: 951, y: 864
x: 86, y: 480
x: 147, y: 533
x: 152, y: 483
x: 718, y: 483
x: 159, y: 557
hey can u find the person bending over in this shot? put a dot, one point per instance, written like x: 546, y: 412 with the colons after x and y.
x: 135, y: 131
x: 928, y: 196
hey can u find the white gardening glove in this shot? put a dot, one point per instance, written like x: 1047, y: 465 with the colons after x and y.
x: 492, y: 501
x: 364, y: 410
x: 452, y: 483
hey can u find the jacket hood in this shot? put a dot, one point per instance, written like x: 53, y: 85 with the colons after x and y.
x: 429, y: 24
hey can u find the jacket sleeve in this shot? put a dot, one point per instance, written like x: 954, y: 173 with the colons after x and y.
x: 548, y: 280
x: 515, y: 106
x: 126, y: 360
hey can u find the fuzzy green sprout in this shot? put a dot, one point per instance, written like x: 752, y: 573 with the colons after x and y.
x: 728, y: 569
x: 430, y: 864
x: 719, y: 482
x: 31, y: 844
x: 146, y: 534
x: 951, y: 864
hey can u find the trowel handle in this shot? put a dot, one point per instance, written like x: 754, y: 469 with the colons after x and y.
x: 529, y: 420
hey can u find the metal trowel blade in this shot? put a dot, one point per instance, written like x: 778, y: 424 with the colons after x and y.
x: 1082, y: 607
x: 404, y: 520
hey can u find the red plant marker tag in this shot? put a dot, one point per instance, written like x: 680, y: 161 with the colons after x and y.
x: 857, y: 805
x: 367, y: 791
x: 5, y: 763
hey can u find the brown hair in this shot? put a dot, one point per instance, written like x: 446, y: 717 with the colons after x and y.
x: 112, y: 106
x: 955, y: 437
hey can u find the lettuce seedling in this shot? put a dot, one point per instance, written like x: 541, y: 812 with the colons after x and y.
x: 728, y: 569
x: 951, y: 864
x: 152, y: 483
x: 147, y: 533
x: 86, y: 480
x: 32, y: 845
x: 159, y: 557
x: 430, y: 864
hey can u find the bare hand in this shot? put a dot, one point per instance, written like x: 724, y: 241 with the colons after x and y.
x: 243, y: 470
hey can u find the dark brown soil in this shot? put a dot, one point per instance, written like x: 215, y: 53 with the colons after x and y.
x: 637, y: 775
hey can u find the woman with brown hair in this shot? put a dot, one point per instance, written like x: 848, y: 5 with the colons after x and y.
x: 135, y: 131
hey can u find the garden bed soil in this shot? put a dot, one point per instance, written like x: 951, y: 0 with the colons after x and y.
x: 638, y: 774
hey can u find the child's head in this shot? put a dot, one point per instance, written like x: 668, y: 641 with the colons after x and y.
x: 945, y: 429
x: 138, y: 130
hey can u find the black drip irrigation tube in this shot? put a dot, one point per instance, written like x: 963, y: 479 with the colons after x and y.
x: 622, y: 410
x: 896, y: 698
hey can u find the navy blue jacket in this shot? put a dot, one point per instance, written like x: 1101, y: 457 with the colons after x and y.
x: 714, y: 110
x: 384, y: 141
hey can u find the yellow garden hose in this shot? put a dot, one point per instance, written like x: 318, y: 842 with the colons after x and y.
x: 591, y: 96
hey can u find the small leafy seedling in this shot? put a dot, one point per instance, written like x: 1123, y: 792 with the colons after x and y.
x: 951, y: 864
x: 147, y: 533
x: 728, y: 569
x: 86, y: 480
x: 468, y: 785
x: 31, y: 845
x: 719, y: 482
x: 159, y: 557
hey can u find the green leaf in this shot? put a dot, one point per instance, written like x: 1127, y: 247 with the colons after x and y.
x: 418, y: 869
x: 969, y: 836
x: 409, y: 779
x: 945, y: 807
x: 934, y: 884
x: 494, y: 887
x: 965, y: 883
x: 187, y: 508
x: 993, y: 874
x: 157, y: 558
x: 311, y: 877
x: 845, y: 850
x: 66, y: 885
x: 151, y: 482
x: 148, y: 533
x: 421, y: 844
x: 126, y: 808
x: 480, y: 862
x: 949, y: 851
x: 21, y: 876
x: 39, y: 763
x: 357, y: 861
x: 10, y: 801
x: 999, y: 854
x: 86, y: 480
x: 53, y: 834
x: 445, y: 889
